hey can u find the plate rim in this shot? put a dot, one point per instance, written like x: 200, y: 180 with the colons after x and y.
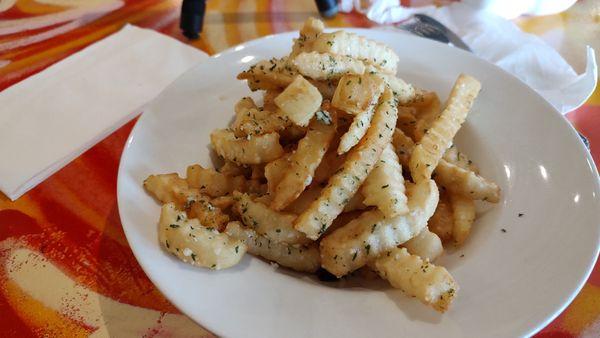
x: 536, y: 327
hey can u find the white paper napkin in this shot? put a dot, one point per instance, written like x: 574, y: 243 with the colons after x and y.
x: 52, y: 117
x: 500, y: 41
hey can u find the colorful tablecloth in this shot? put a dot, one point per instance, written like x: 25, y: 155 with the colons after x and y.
x: 65, y: 267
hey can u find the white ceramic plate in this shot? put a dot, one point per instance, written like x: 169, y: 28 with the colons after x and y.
x: 512, y: 283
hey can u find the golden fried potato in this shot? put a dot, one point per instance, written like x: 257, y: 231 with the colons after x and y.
x: 366, y: 237
x: 169, y: 188
x: 406, y: 120
x: 359, y: 163
x: 232, y: 169
x: 308, y: 34
x: 299, y: 258
x: 384, y: 187
x: 356, y: 94
x: 212, y: 182
x: 209, y: 214
x: 442, y: 221
x: 358, y: 47
x: 299, y: 101
x: 247, y: 150
x: 269, y: 99
x: 458, y: 158
x: 404, y: 92
x: 325, y: 66
x: 273, y: 74
x: 432, y: 285
x: 330, y: 163
x: 274, y: 172
x: 465, y: 182
x: 300, y: 204
x: 276, y: 226
x: 258, y: 122
x: 244, y: 105
x: 427, y: 109
x: 355, y: 203
x: 223, y: 202
x: 304, y: 161
x: 431, y: 147
x: 463, y: 209
x: 403, y: 145
x: 450, y: 176
x: 426, y: 245
x: 195, y: 244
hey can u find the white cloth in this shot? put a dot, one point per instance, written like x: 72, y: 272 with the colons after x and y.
x: 52, y: 117
x: 500, y: 41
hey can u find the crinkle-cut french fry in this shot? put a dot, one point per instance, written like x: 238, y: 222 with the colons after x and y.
x: 170, y: 188
x: 276, y: 226
x: 465, y: 182
x: 196, y: 244
x: 403, y: 145
x: 431, y: 284
x: 325, y: 87
x: 355, y: 94
x: 431, y: 147
x: 442, y: 221
x: 299, y: 258
x: 304, y: 160
x: 231, y: 169
x: 384, y: 187
x: 272, y: 74
x: 299, y: 101
x: 269, y: 99
x: 458, y: 158
x: 353, y: 245
x: 300, y: 204
x: 324, y: 66
x: 212, y: 182
x: 246, y: 150
x: 330, y: 163
x: 463, y: 209
x: 358, y: 129
x: 406, y: 120
x: 358, y: 47
x: 346, y: 182
x: 258, y: 122
x: 427, y: 110
x: 274, y: 172
x: 244, y: 104
x: 310, y: 31
x: 209, y: 214
x: 426, y: 245
x: 450, y: 176
x: 223, y: 202
x: 355, y: 203
x: 404, y: 92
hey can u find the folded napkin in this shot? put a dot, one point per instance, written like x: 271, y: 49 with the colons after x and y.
x: 501, y: 42
x: 52, y: 117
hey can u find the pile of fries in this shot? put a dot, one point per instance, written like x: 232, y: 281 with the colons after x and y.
x: 343, y: 166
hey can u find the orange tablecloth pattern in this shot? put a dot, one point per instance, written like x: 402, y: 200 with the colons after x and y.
x: 65, y: 267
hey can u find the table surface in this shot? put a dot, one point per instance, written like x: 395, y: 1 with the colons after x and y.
x: 65, y: 266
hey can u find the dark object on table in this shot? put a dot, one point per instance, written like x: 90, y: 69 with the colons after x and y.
x: 327, y: 8
x: 428, y: 27
x: 192, y: 17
